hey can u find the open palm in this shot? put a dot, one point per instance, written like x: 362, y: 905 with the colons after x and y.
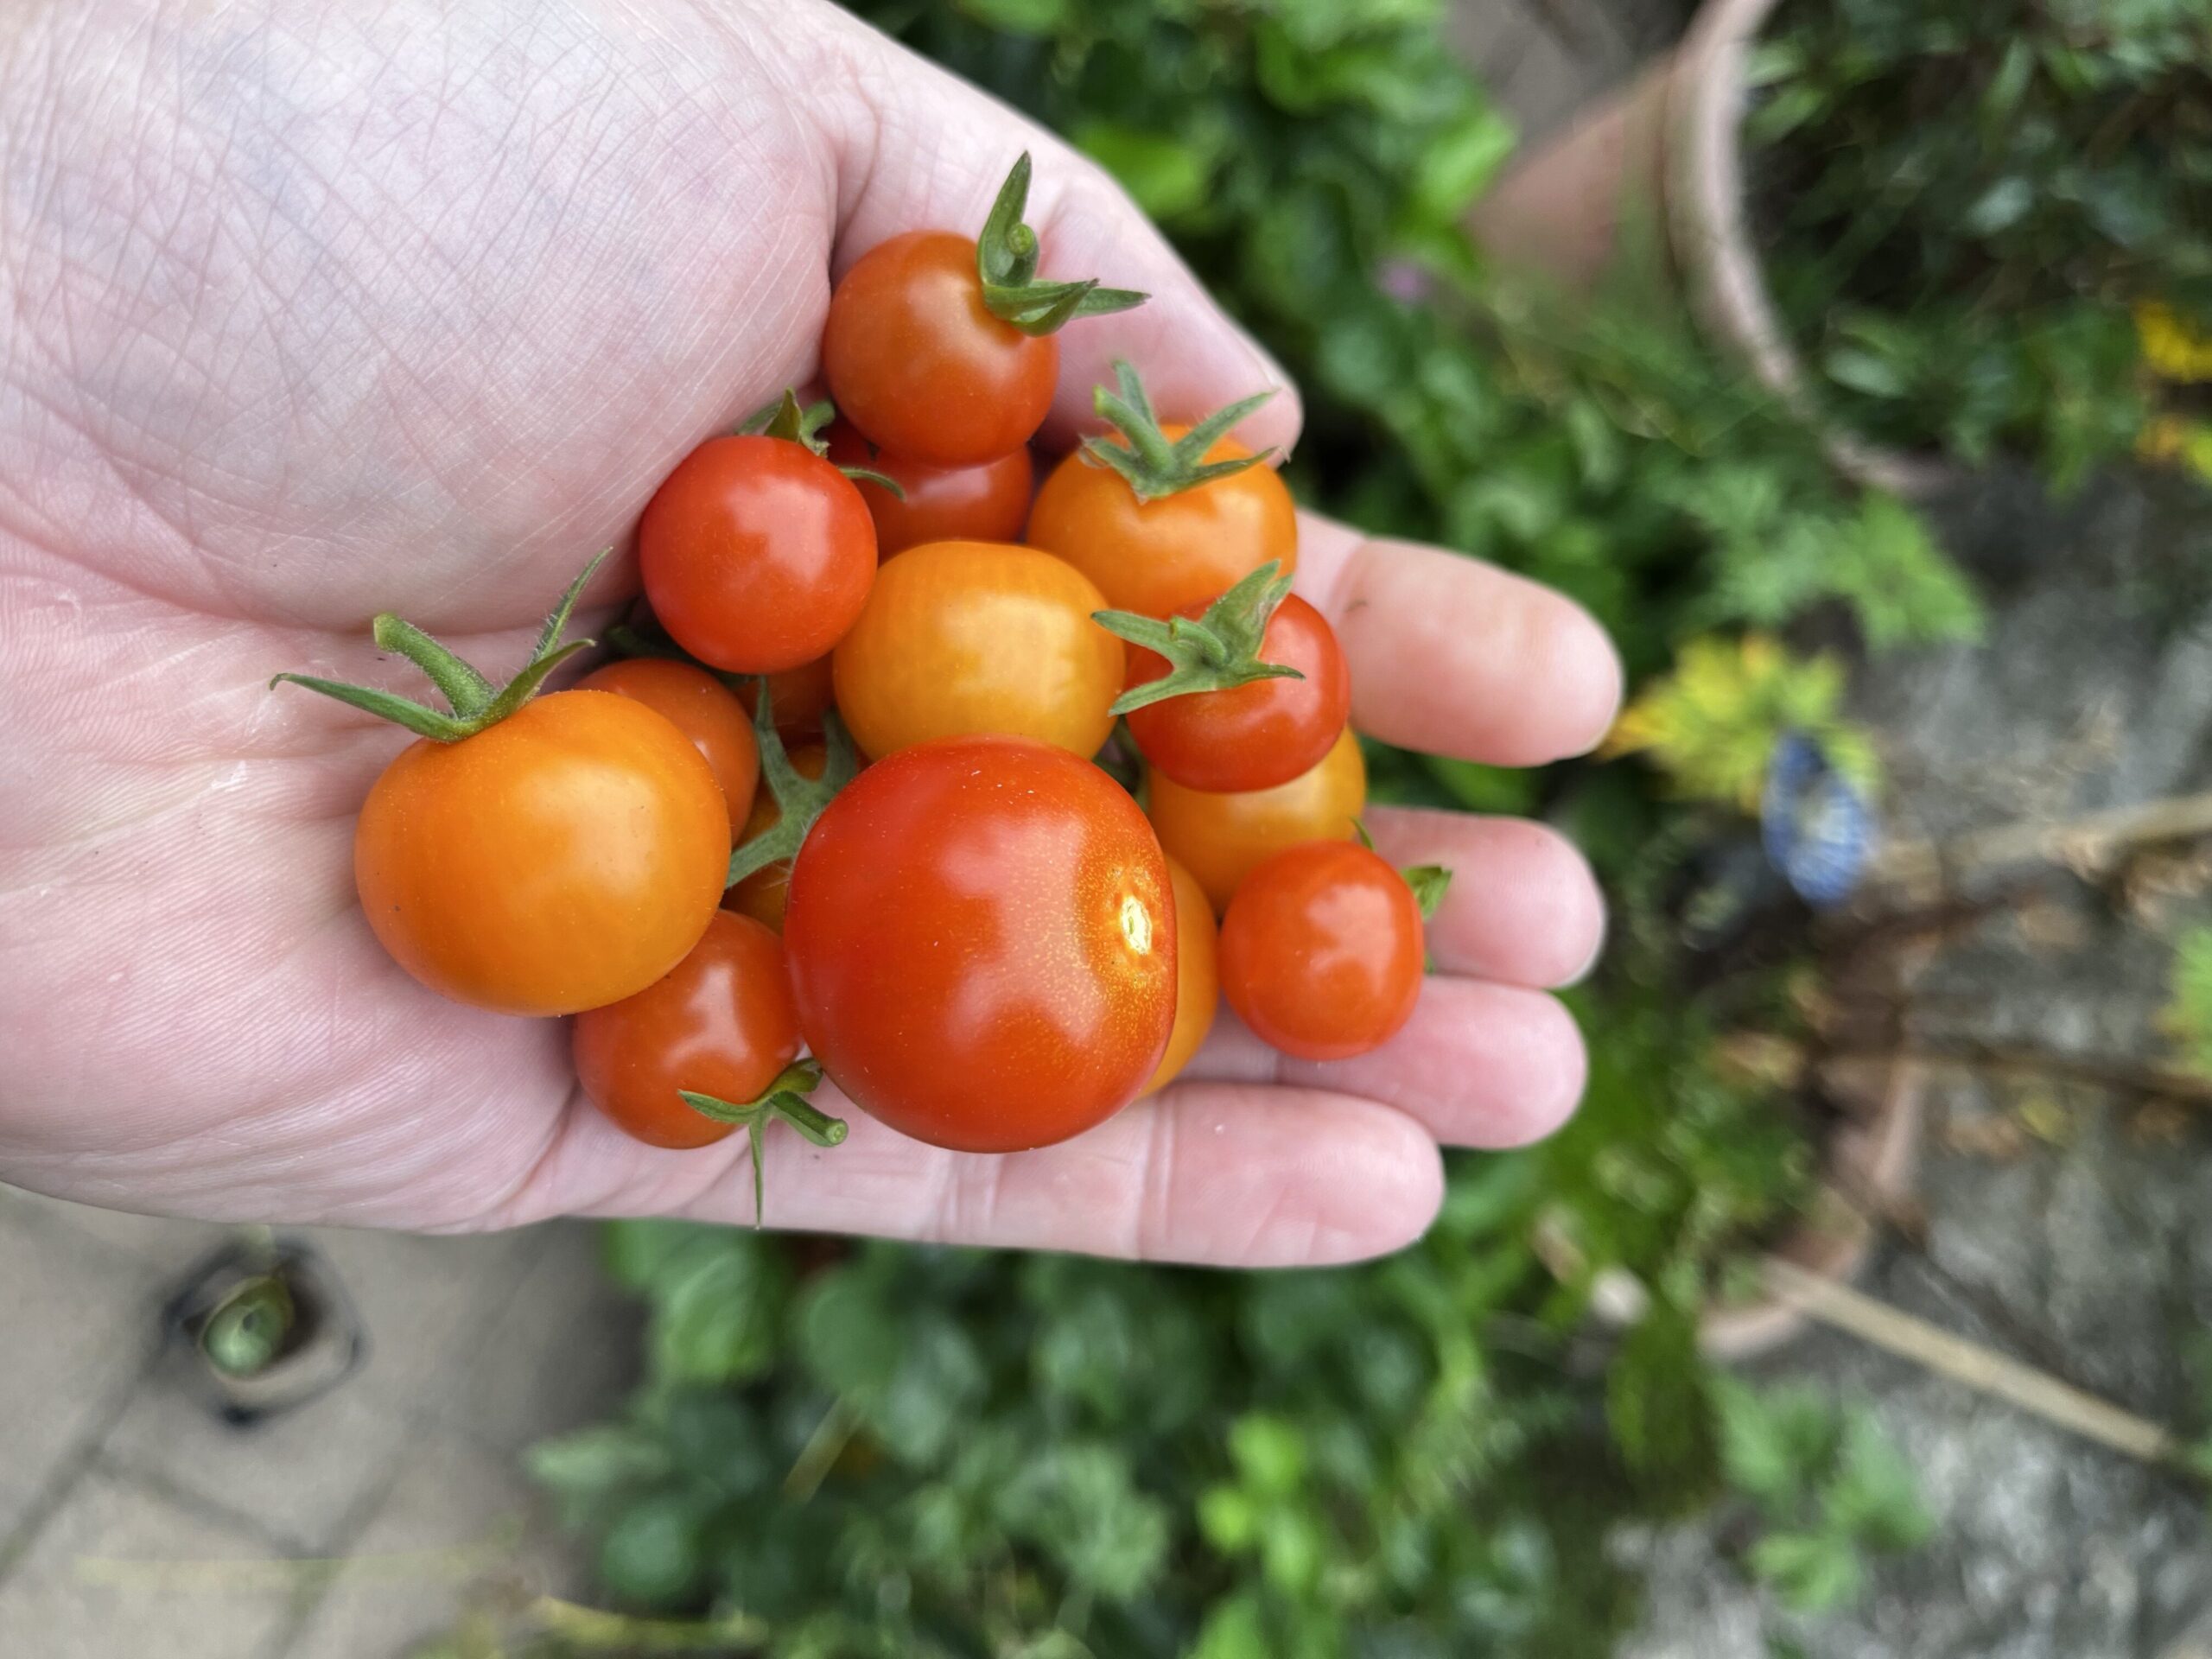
x: 315, y: 310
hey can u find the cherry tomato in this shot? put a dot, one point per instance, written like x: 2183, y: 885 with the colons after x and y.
x: 1198, y: 986
x: 763, y: 894
x: 982, y: 943
x: 1321, y: 951
x: 564, y: 859
x: 1256, y: 735
x: 917, y: 362
x: 1221, y: 837
x: 1160, y: 556
x: 757, y: 554
x: 722, y: 1024
x: 962, y: 638
x: 985, y: 503
x: 699, y: 706
x: 800, y: 697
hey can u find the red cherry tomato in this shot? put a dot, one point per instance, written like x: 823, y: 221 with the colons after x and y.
x: 722, y: 1024
x: 757, y: 554
x: 702, y: 708
x: 987, y: 503
x: 1256, y: 735
x: 1321, y: 951
x: 982, y: 943
x: 916, y: 360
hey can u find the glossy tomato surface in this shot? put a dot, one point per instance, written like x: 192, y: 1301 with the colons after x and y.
x: 762, y: 894
x: 1161, y: 556
x: 1252, y: 736
x: 1321, y: 951
x: 721, y: 1023
x: 702, y: 708
x: 982, y: 943
x: 560, y: 860
x: 757, y: 554
x: 917, y: 362
x: 965, y: 638
x: 1220, y: 837
x: 1198, y: 986
x: 988, y: 502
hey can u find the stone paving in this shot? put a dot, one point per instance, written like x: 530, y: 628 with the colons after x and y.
x: 135, y: 1524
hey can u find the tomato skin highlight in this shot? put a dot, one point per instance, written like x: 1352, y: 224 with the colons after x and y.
x: 917, y: 362
x: 564, y: 859
x: 1252, y: 736
x: 1162, y: 557
x: 1321, y: 951
x: 1198, y: 983
x: 757, y: 554
x: 721, y: 1023
x: 763, y: 894
x: 983, y: 944
x: 961, y: 639
x: 985, y: 503
x: 702, y: 708
x: 1221, y: 837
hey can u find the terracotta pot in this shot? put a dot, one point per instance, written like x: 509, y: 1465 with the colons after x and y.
x: 1664, y: 154
x: 1869, y: 1166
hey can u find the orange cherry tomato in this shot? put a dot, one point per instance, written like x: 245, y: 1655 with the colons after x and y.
x: 1321, y: 951
x: 564, y: 859
x: 1221, y: 837
x: 1161, y: 556
x: 800, y: 696
x: 721, y: 1023
x: 984, y: 503
x: 757, y: 554
x: 699, y: 706
x: 917, y: 363
x: 962, y: 637
x: 982, y: 943
x: 763, y: 894
x: 1198, y: 988
x: 1255, y: 735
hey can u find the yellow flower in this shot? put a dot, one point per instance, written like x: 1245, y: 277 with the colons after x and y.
x: 2174, y: 348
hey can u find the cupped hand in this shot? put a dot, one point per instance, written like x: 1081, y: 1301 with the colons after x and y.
x: 315, y: 310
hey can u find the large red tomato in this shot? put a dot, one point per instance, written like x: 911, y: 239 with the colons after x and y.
x: 983, y: 942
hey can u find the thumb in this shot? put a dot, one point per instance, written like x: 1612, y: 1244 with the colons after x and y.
x: 917, y: 148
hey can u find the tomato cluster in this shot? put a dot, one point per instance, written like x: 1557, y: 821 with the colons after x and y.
x: 843, y: 804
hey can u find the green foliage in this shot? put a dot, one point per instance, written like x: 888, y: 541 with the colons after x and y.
x: 2188, y: 1016
x: 1829, y: 1488
x: 1966, y: 203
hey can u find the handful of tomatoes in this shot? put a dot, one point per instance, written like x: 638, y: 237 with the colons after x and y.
x: 940, y: 897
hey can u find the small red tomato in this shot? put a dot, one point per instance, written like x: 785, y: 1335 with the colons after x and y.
x: 982, y: 943
x: 1255, y: 735
x: 721, y: 1023
x: 986, y: 503
x: 757, y: 554
x: 915, y: 360
x: 1321, y: 951
x: 702, y: 708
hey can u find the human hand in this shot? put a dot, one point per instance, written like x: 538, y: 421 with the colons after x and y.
x: 317, y: 311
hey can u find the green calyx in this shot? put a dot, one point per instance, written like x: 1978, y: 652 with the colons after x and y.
x: 1006, y: 261
x: 247, y: 1332
x: 785, y: 1098
x: 1149, y: 461
x: 802, y: 423
x: 474, y: 701
x: 1216, y: 653
x: 1430, y: 882
x: 799, y: 799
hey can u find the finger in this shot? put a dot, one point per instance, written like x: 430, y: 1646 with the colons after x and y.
x: 919, y: 149
x: 1222, y: 1174
x: 1477, y: 1064
x: 1524, y: 907
x: 1456, y: 656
